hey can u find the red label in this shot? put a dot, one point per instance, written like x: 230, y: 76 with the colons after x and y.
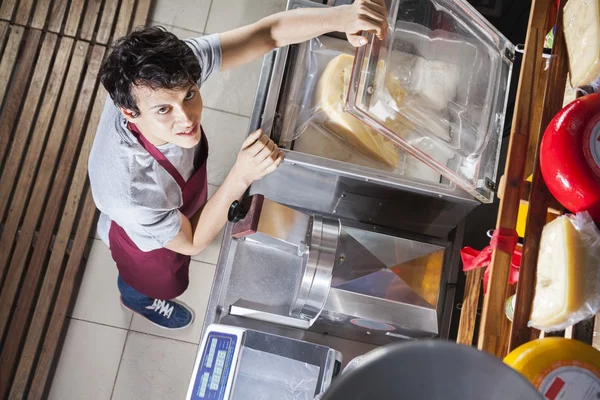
x: 555, y: 388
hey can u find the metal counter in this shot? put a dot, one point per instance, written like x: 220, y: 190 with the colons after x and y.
x: 333, y: 190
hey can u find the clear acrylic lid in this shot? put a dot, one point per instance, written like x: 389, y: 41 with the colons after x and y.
x: 436, y: 86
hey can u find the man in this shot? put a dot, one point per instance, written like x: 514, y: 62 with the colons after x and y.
x: 148, y: 163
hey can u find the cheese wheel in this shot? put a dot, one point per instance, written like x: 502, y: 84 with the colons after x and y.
x: 559, y: 368
x: 560, y: 286
x: 331, y: 95
x: 582, y: 37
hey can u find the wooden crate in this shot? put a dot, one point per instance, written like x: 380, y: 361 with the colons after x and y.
x: 540, y: 96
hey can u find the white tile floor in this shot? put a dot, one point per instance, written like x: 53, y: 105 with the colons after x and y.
x: 108, y: 352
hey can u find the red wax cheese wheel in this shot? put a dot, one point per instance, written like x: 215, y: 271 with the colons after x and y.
x: 570, y: 156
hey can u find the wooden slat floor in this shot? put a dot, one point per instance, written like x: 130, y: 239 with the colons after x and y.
x: 50, y: 105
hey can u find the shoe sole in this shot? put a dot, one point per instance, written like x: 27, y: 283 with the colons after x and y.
x: 160, y: 326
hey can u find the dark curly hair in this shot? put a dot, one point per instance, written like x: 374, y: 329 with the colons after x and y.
x: 149, y: 57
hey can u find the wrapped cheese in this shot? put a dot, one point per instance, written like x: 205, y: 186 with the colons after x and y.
x: 331, y: 97
x: 568, y: 273
x: 582, y: 36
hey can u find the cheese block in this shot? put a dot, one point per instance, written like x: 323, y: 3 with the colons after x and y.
x: 331, y: 95
x: 582, y: 36
x: 561, y: 287
x: 559, y: 368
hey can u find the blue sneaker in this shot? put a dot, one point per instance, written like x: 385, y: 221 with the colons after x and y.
x: 166, y: 314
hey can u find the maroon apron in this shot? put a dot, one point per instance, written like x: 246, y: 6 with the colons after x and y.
x: 161, y: 274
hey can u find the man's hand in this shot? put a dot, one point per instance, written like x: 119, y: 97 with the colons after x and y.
x: 258, y: 157
x: 364, y: 16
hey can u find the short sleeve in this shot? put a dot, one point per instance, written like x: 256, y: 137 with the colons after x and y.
x: 150, y: 229
x: 208, y: 51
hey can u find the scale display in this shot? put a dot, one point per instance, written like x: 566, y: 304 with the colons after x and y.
x: 215, y: 367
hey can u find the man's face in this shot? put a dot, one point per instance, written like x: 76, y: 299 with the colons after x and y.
x: 168, y: 116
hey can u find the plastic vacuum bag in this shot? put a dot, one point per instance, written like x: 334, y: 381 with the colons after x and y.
x: 315, y: 105
x: 568, y: 273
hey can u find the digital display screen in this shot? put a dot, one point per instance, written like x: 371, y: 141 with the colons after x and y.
x: 214, y: 368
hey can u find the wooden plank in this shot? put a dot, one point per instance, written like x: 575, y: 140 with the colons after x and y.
x: 20, y: 81
x: 9, y: 57
x: 70, y: 280
x: 28, y: 289
x: 541, y: 77
x: 554, y: 206
x: 493, y: 306
x: 24, y: 12
x: 468, y: 312
x: 584, y: 331
x: 124, y: 18
x: 92, y: 14
x: 74, y: 17
x: 539, y: 197
x: 107, y: 21
x: 40, y: 15
x: 46, y: 293
x: 506, y: 324
x: 34, y: 95
x: 7, y: 9
x: 17, y: 153
x: 3, y: 31
x: 141, y: 14
x: 57, y: 15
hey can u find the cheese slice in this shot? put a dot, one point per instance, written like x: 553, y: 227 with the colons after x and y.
x: 582, y: 36
x: 331, y: 95
x: 561, y: 287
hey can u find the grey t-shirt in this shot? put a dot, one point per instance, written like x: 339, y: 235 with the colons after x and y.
x: 128, y: 185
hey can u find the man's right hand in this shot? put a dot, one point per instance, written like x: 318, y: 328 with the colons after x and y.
x: 258, y: 157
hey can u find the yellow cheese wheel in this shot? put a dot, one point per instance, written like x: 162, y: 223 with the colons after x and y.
x: 331, y: 95
x: 559, y: 368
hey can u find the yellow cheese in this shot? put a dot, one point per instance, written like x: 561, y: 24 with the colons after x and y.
x: 560, y: 288
x: 559, y: 368
x: 582, y: 36
x: 331, y: 95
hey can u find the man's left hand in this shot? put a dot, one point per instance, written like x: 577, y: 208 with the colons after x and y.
x: 364, y: 16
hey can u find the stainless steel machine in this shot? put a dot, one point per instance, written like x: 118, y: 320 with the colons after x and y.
x: 337, y: 248
x: 332, y: 276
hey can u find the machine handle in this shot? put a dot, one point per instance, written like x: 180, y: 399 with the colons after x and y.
x: 236, y: 212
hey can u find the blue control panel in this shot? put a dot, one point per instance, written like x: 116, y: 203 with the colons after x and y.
x: 215, y: 367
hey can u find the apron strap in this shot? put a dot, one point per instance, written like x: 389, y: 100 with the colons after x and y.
x: 158, y: 156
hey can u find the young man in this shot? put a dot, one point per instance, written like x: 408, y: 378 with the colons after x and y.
x: 148, y: 163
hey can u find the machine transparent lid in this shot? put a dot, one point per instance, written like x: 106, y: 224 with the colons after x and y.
x: 436, y: 86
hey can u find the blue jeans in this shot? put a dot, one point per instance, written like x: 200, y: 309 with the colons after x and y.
x: 131, y: 297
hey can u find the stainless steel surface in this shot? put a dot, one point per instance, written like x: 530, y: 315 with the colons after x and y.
x: 349, y: 348
x: 247, y: 309
x: 379, y: 278
x: 282, y: 227
x: 319, y: 268
x: 320, y: 190
x: 262, y: 275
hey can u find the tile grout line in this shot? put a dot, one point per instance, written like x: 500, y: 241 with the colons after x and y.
x: 204, y: 262
x: 112, y: 393
x: 132, y: 330
x: 162, y: 337
x: 99, y: 323
x: 208, y: 16
x: 226, y: 112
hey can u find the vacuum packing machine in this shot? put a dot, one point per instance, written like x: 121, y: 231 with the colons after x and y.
x: 354, y: 241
